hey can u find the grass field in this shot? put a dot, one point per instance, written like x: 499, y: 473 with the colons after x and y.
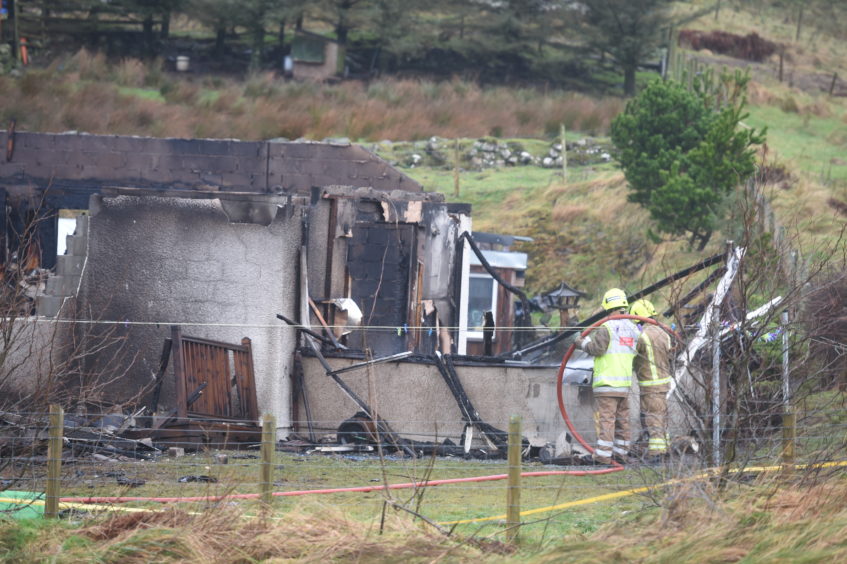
x: 768, y: 517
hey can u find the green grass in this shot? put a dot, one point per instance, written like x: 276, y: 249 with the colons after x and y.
x: 485, y: 190
x: 208, y: 97
x: 143, y: 93
x: 294, y: 473
x: 766, y: 520
x: 814, y: 145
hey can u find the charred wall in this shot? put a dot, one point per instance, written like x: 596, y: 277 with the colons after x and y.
x: 395, y: 255
x: 157, y: 261
x: 77, y: 164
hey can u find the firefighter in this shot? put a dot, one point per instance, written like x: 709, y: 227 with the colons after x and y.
x: 612, y: 345
x: 652, y: 367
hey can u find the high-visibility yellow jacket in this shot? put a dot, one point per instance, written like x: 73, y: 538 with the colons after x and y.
x: 613, y: 347
x: 652, y: 363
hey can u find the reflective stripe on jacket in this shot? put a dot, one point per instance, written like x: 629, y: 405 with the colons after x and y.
x: 613, y: 368
x: 652, y: 365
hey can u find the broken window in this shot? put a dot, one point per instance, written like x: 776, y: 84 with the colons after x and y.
x: 66, y: 226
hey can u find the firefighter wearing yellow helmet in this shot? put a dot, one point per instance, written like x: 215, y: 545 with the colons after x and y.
x: 612, y: 345
x: 652, y: 367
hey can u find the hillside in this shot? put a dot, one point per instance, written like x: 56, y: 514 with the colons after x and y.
x: 584, y: 230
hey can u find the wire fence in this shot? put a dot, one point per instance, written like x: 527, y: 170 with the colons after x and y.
x: 53, y: 465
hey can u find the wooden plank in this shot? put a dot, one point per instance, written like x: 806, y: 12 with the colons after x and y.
x: 221, y: 381
x: 160, y: 376
x: 243, y: 384
x: 231, y: 407
x: 198, y: 376
x: 205, y: 373
x: 191, y: 367
x: 320, y: 317
x: 230, y: 346
x: 179, y: 372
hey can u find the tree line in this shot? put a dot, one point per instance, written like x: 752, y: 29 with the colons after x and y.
x: 503, y: 41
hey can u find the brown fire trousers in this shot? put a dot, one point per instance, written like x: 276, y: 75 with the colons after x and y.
x: 612, y: 427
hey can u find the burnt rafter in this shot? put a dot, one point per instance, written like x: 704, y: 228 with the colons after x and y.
x: 470, y: 415
x: 683, y: 301
x: 552, y: 340
x: 381, y: 425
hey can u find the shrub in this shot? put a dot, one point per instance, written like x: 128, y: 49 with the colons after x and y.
x: 90, y: 67
x: 789, y: 105
x: 264, y: 84
x: 131, y: 72
x: 182, y: 93
x: 749, y: 47
x: 33, y: 83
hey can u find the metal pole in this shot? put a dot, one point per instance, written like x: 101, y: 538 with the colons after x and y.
x: 392, y: 358
x: 54, y: 461
x: 564, y: 155
x: 716, y: 391
x: 789, y: 419
x: 513, y: 491
x: 786, y: 387
x: 266, y: 478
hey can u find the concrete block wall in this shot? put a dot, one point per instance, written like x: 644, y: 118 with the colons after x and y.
x: 64, y: 282
x: 299, y: 166
x: 154, y: 262
x: 418, y: 405
x: 414, y: 399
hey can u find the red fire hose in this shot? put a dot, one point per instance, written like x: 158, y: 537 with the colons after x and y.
x: 560, y: 377
x: 615, y: 467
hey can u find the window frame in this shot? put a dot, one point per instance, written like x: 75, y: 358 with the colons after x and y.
x: 471, y: 333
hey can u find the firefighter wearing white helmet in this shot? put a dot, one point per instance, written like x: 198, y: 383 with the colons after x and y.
x: 652, y: 367
x: 612, y: 345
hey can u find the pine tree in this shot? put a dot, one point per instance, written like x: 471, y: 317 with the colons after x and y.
x: 683, y: 153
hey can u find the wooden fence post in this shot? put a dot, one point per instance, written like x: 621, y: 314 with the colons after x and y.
x: 564, y: 155
x: 456, y: 166
x: 513, y: 491
x: 54, y: 461
x: 267, y: 465
x: 781, y: 62
x: 789, y: 435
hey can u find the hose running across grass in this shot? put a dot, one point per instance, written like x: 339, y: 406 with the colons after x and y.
x: 615, y: 467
